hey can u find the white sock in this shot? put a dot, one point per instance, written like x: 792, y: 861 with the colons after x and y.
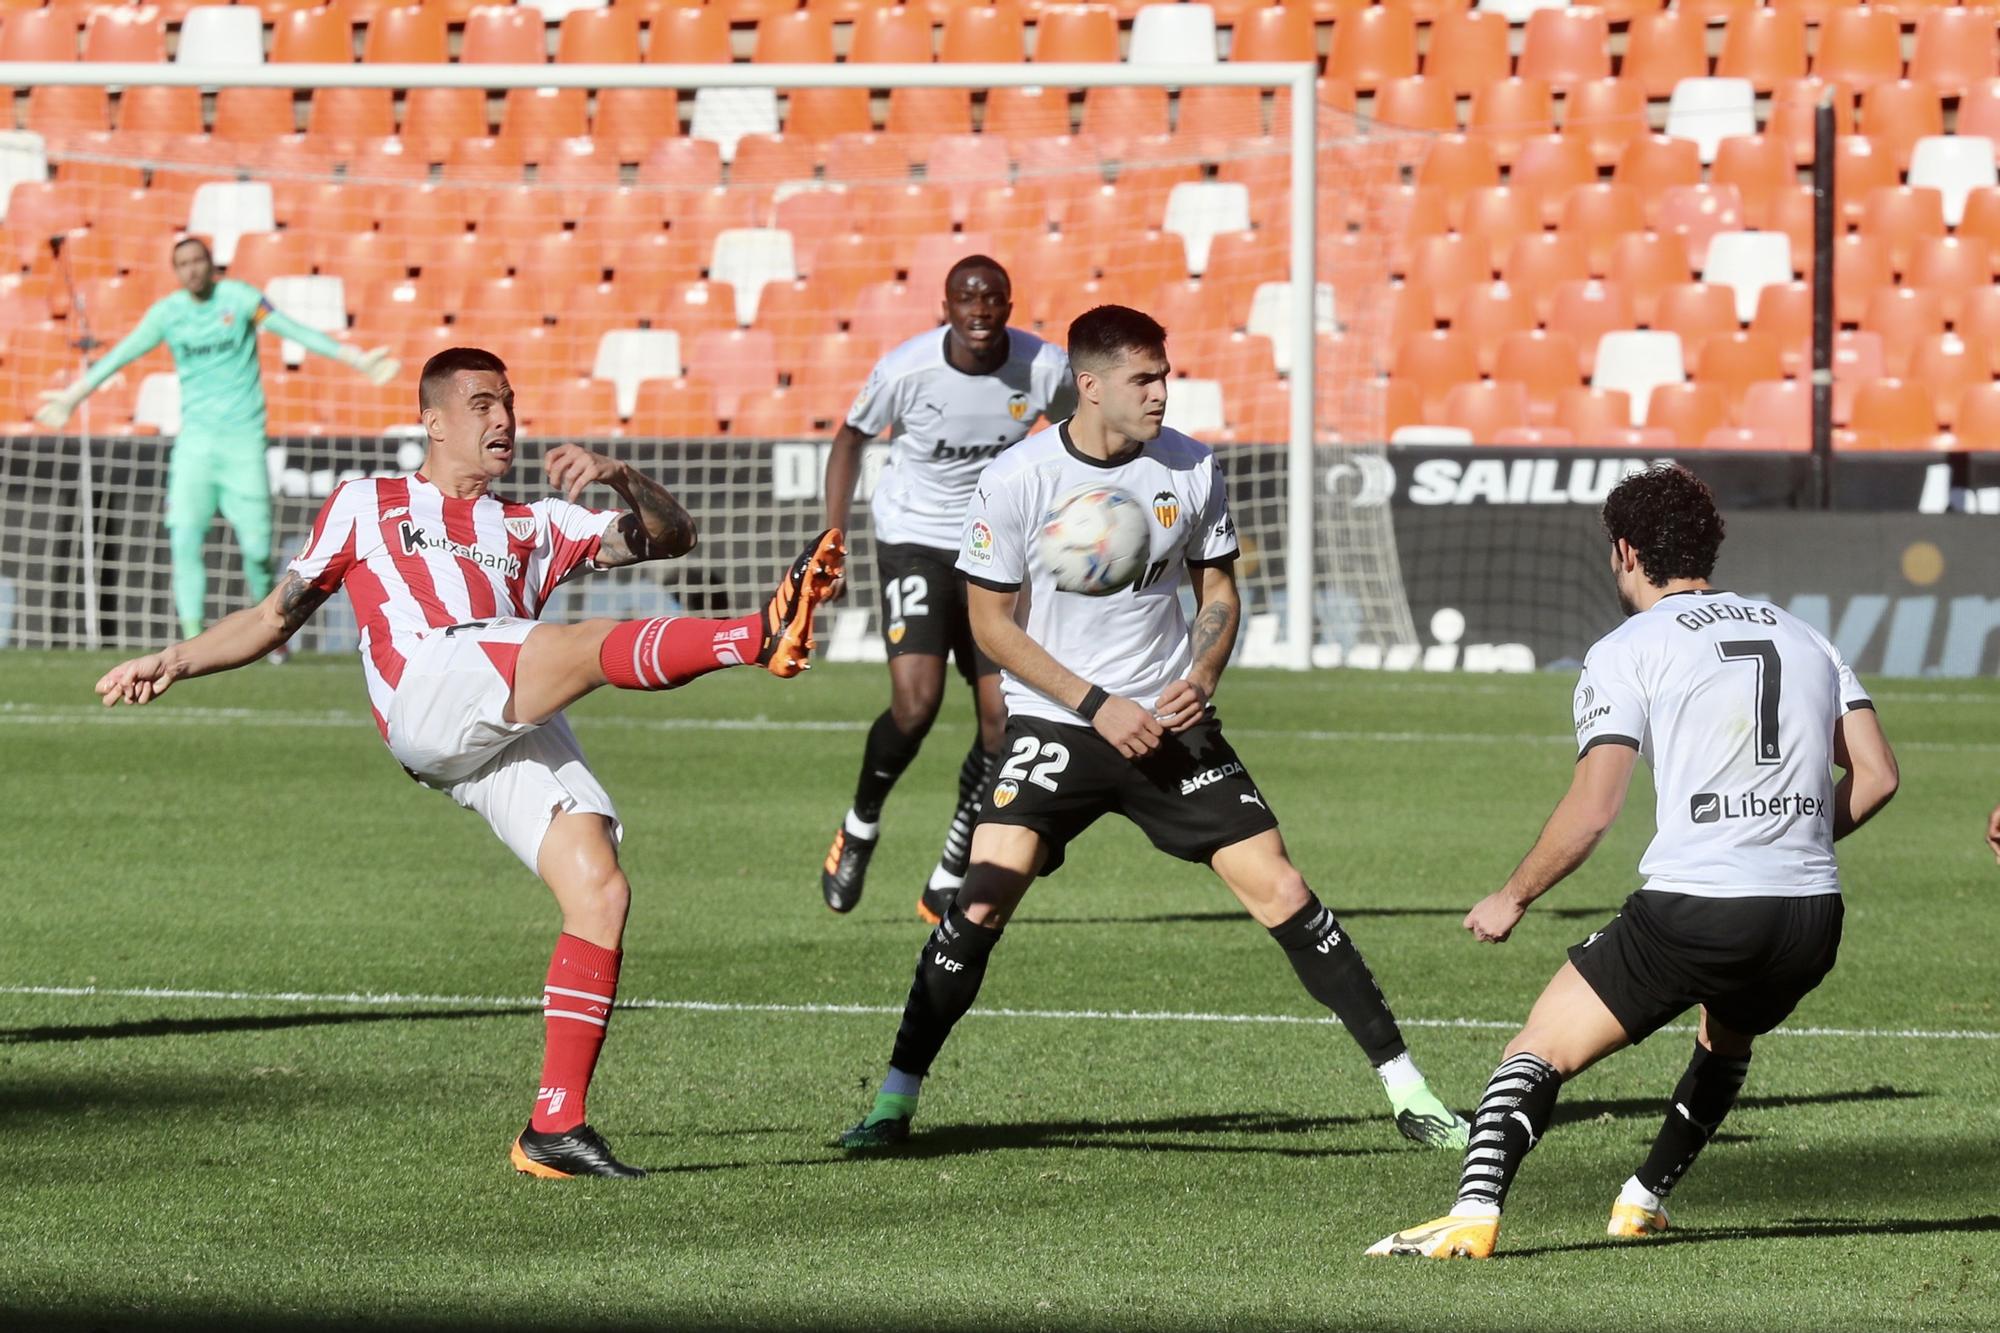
x: 861, y: 828
x: 1399, y: 1073
x: 1469, y: 1208
x: 943, y: 879
x: 1635, y: 1193
x: 898, y: 1084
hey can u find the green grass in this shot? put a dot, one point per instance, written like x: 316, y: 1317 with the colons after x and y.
x: 321, y: 1163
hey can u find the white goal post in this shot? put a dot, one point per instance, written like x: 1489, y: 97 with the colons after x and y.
x: 1316, y: 541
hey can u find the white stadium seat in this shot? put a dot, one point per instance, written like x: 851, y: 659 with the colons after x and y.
x: 628, y: 357
x: 1173, y: 35
x: 224, y: 210
x: 1638, y: 362
x: 1747, y: 262
x: 1195, y: 406
x: 159, y: 403
x: 749, y: 257
x: 1199, y: 211
x: 1271, y: 315
x: 725, y: 115
x: 555, y: 11
x: 1708, y: 111
x: 23, y: 157
x: 1955, y: 165
x: 222, y: 35
x: 1519, y: 11
x: 316, y: 302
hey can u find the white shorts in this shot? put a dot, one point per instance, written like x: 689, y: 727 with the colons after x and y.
x: 448, y: 727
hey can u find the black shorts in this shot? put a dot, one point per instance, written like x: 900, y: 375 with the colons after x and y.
x: 1749, y: 960
x: 923, y: 607
x: 1191, y: 796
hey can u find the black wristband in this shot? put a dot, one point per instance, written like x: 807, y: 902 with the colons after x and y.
x: 1093, y: 699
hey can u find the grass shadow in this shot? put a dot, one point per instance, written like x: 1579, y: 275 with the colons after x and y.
x: 1344, y: 913
x: 1591, y: 1108
x: 198, y: 1027
x: 1797, y: 1228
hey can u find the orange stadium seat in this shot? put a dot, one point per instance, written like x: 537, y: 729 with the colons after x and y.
x: 64, y: 112
x: 1275, y: 32
x: 41, y: 34
x: 405, y: 35
x: 1765, y: 46
x: 1406, y: 214
x: 1449, y: 266
x: 797, y: 316
x: 1509, y: 112
x: 1651, y: 164
x: 1902, y: 317
x: 1023, y: 112
x: 1896, y: 113
x: 674, y: 409
x: 1417, y: 103
x: 1860, y: 167
x: 1955, y: 50
x: 486, y: 160
x: 536, y: 117
x: 1608, y: 114
x: 1593, y: 416
x: 1859, y: 46
x: 1893, y: 414
x: 753, y: 11
x: 1222, y: 354
x: 868, y: 157
x: 1544, y: 363
x: 1947, y: 364
x: 562, y: 261
x: 1498, y: 216
x: 822, y: 113
x: 1759, y: 167
x: 1538, y: 264
x: 781, y: 414
x: 1979, y: 317
x: 1372, y: 46
x: 1486, y: 408
x: 1778, y: 409
x: 1486, y: 313
x: 1688, y: 412
x: 1457, y: 165
x: 681, y: 164
x: 701, y: 215
x: 1696, y: 312
x: 1586, y: 311
x: 1596, y: 216
x: 1982, y: 215
x: 568, y: 407
x: 731, y: 363
x: 1950, y: 266
x: 843, y: 264
x: 321, y: 35
x: 352, y: 113
x: 929, y: 112
x: 1564, y: 47
x: 688, y: 35
x: 1860, y: 268
x: 773, y: 158
x: 799, y: 37
x: 1794, y: 103
x: 1116, y: 113
x: 436, y: 118
x: 1664, y: 48
x: 1734, y: 360
x: 1784, y: 313
x: 1076, y: 33
x: 152, y: 115
x: 989, y: 33
x: 1899, y: 217
x: 1219, y: 122
x: 1857, y: 359
x: 1696, y: 213
x: 504, y: 35
x: 607, y: 36
x: 1550, y: 167
x: 1977, y: 421
x: 895, y: 35
x: 1468, y: 50
x: 362, y: 257
x: 129, y: 34
x: 500, y: 302
x: 1434, y: 362
x: 654, y: 260
x: 465, y: 258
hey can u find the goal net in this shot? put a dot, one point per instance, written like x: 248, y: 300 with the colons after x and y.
x: 696, y: 273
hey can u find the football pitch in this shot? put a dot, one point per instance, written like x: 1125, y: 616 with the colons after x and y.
x: 269, y: 1017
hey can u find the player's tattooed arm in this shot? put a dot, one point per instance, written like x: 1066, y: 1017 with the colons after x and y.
x: 1211, y: 639
x: 294, y: 601
x: 658, y: 527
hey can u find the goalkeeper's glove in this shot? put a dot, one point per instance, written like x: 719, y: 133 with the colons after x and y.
x: 59, y: 403
x: 375, y: 363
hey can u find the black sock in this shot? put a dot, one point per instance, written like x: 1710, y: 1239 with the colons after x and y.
x: 1701, y: 1099
x: 888, y: 753
x: 972, y: 776
x: 1335, y: 974
x: 1513, y: 1114
x: 949, y: 970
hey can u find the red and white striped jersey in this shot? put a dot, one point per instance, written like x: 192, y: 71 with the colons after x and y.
x: 415, y: 560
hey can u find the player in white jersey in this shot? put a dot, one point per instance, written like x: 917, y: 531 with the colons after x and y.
x: 468, y: 687
x: 954, y: 398
x: 1108, y: 711
x: 1743, y: 711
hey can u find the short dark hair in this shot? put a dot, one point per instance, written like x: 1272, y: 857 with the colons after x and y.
x: 1668, y: 515
x: 1100, y: 336
x: 971, y: 262
x: 440, y: 369
x: 206, y: 253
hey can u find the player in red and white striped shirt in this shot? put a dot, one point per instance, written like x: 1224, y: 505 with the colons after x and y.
x: 468, y: 687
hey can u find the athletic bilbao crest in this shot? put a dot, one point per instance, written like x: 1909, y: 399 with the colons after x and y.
x: 1166, y: 508
x: 1017, y: 407
x: 1003, y: 795
x: 521, y: 529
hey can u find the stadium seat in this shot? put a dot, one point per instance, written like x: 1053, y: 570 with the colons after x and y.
x: 1707, y: 111
x: 1544, y: 363
x: 317, y: 302
x: 1538, y: 264
x: 1076, y: 34
x: 1946, y: 365
x: 1124, y: 113
x: 1457, y: 165
x: 1565, y: 47
x: 1198, y: 212
x: 1027, y: 112
x: 1449, y: 266
x: 629, y: 121
x: 223, y: 211
x: 1697, y: 213
x: 1954, y: 51
x: 352, y: 113
x: 1860, y: 167
x: 1638, y: 361
x: 798, y: 37
x: 731, y: 363
x: 1270, y: 317
x: 1497, y: 216
x: 688, y: 35
x: 1896, y: 113
x: 608, y: 36
x: 1486, y: 314
x: 1485, y: 408
x: 1654, y: 163
x: 725, y: 115
x: 221, y: 35
x: 747, y: 258
x: 1794, y: 103
x: 674, y: 409
x: 843, y: 113
x: 1979, y: 317
x: 135, y: 34
x: 1902, y: 317
x: 1859, y: 46
x: 1586, y: 311
x: 1765, y: 46
x: 151, y: 117
x: 41, y: 34
x: 434, y: 119
x: 1731, y: 361
x: 893, y: 35
x: 1954, y: 165
x: 1785, y: 315
x: 405, y: 35
x: 504, y: 35
x: 1688, y: 412
x: 1951, y: 266
x: 1607, y: 114
x: 1758, y: 167
x: 61, y: 113
x: 1664, y: 48
x: 1280, y: 32
x: 1593, y: 416
x: 1468, y: 50
x: 1778, y: 409
x: 264, y: 255
x: 1857, y: 360
x: 321, y: 35
x: 1223, y: 354
x: 1976, y: 423
x: 1595, y: 216
x: 1550, y: 167
x: 628, y: 358
x: 1372, y: 46
x: 773, y: 159
x: 989, y: 33
x: 1695, y: 312
x: 781, y: 414
x: 1173, y: 34
x: 932, y: 113
x: 1747, y: 262
x: 1508, y: 112
x: 1893, y: 414
x: 1434, y: 362
x: 1196, y: 405
x: 1416, y: 103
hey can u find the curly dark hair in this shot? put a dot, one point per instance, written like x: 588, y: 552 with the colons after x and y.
x: 1668, y: 515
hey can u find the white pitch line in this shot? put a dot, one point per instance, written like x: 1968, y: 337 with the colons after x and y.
x: 392, y: 999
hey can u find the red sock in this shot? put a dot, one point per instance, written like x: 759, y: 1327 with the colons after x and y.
x: 576, y: 1007
x: 673, y: 650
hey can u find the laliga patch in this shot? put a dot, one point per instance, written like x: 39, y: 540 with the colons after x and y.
x: 521, y: 529
x: 1003, y: 795
x: 1166, y: 508
x: 979, y: 543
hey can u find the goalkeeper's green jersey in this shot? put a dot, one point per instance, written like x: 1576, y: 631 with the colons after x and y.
x: 214, y: 345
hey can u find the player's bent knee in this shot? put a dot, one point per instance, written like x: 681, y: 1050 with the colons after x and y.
x: 914, y: 709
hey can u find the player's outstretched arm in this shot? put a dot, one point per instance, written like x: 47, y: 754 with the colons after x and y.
x: 58, y: 404
x: 1125, y: 724
x: 1870, y: 776
x: 1590, y: 806
x: 657, y: 526
x: 235, y: 640
x: 843, y: 466
x: 1219, y: 608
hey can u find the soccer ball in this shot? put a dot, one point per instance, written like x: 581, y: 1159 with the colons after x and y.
x: 1095, y: 541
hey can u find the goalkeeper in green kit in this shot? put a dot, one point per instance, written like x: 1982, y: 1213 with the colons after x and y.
x: 211, y: 328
